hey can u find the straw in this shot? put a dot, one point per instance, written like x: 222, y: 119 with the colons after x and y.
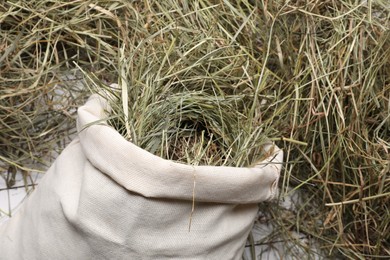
x: 210, y: 82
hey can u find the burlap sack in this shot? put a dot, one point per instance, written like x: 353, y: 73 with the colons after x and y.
x: 105, y: 198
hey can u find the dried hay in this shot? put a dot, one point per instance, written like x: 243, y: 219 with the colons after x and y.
x: 208, y: 82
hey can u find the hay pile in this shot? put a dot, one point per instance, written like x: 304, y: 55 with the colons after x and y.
x: 37, y: 100
x: 208, y: 82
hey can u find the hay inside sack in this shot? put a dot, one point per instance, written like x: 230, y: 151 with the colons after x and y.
x: 193, y: 127
x: 196, y: 128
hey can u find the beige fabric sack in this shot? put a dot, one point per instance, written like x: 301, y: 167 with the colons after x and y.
x: 105, y: 198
